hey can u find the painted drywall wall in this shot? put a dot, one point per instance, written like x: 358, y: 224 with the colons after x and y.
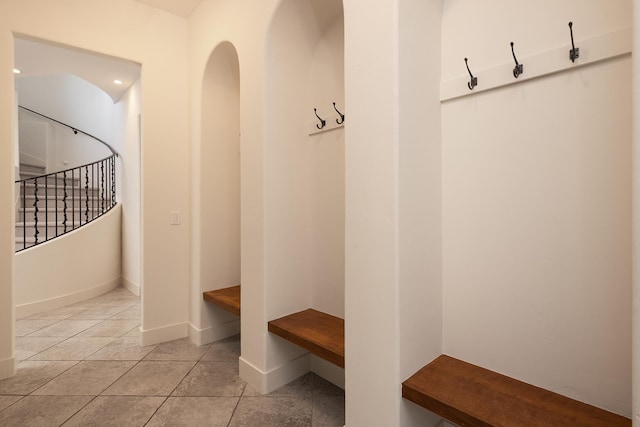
x: 211, y: 24
x: 419, y: 196
x: 536, y: 204
x: 157, y: 40
x: 216, y: 207
x: 127, y: 142
x: 69, y: 99
x: 636, y: 218
x: 79, y: 265
x: 325, y: 86
x: 8, y: 132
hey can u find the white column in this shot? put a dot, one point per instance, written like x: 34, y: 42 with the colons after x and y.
x: 636, y: 216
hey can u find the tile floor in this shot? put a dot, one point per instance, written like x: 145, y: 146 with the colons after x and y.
x: 82, y: 365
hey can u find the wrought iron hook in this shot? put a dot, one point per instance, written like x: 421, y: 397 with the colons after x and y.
x: 574, y: 53
x: 341, y: 121
x: 323, y: 122
x: 474, y: 80
x: 519, y: 68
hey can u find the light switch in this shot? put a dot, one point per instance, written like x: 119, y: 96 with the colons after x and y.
x: 175, y: 218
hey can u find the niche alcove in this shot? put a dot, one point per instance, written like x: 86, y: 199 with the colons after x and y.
x: 219, y: 187
x: 304, y: 167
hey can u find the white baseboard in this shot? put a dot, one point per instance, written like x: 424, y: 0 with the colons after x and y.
x: 7, y: 368
x: 131, y: 286
x: 266, y: 382
x: 31, y: 308
x: 214, y: 333
x: 163, y: 334
x: 327, y: 370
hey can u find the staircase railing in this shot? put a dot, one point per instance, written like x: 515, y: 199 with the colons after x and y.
x: 60, y: 202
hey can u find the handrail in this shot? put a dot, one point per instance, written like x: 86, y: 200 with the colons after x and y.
x: 74, y: 129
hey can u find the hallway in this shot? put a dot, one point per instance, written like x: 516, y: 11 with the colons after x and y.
x: 82, y: 365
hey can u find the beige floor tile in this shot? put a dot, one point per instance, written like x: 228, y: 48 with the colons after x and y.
x: 272, y: 412
x: 328, y: 412
x: 65, y: 328
x: 73, y: 349
x: 60, y: 313
x: 116, y: 411
x: 32, y: 375
x: 135, y: 332
x: 195, y: 411
x: 123, y: 348
x: 98, y: 313
x: 212, y: 379
x: 109, y: 328
x: 30, y: 346
x: 131, y: 313
x: 27, y: 326
x: 151, y: 378
x: 86, y: 378
x: 227, y: 350
x: 300, y: 387
x: 6, y: 401
x: 182, y: 349
x: 42, y: 411
x: 323, y: 388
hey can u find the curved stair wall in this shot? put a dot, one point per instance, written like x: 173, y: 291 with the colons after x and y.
x: 71, y: 268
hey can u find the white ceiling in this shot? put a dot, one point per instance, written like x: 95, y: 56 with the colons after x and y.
x: 34, y: 58
x: 177, y: 7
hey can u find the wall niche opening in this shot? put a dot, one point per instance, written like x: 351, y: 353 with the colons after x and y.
x: 220, y: 178
x: 304, y: 167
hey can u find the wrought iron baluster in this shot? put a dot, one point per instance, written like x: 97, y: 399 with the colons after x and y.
x: 102, y: 186
x: 24, y: 214
x: 55, y: 177
x: 73, y: 200
x: 113, y: 181
x: 46, y: 208
x: 64, y: 201
x: 86, y: 189
x: 35, y: 211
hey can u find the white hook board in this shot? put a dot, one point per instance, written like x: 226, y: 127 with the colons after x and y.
x: 595, y: 49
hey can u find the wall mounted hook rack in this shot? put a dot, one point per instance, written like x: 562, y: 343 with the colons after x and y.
x: 341, y: 120
x: 323, y: 122
x: 519, y: 68
x: 474, y: 80
x: 574, y: 53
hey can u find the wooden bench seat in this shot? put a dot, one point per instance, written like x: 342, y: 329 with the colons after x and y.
x: 469, y: 395
x: 319, y: 333
x: 227, y: 298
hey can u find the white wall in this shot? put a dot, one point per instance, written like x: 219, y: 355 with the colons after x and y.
x: 216, y: 207
x: 636, y: 218
x: 8, y: 132
x: 126, y: 141
x: 77, y: 266
x: 158, y: 41
x: 536, y: 206
x: 212, y: 23
x: 69, y: 99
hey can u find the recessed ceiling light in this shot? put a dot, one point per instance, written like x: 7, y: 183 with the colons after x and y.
x: 118, y: 82
x: 16, y: 71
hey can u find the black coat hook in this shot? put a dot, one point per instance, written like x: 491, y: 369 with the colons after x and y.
x: 474, y: 80
x: 574, y: 53
x: 341, y: 121
x: 323, y: 122
x: 519, y: 68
